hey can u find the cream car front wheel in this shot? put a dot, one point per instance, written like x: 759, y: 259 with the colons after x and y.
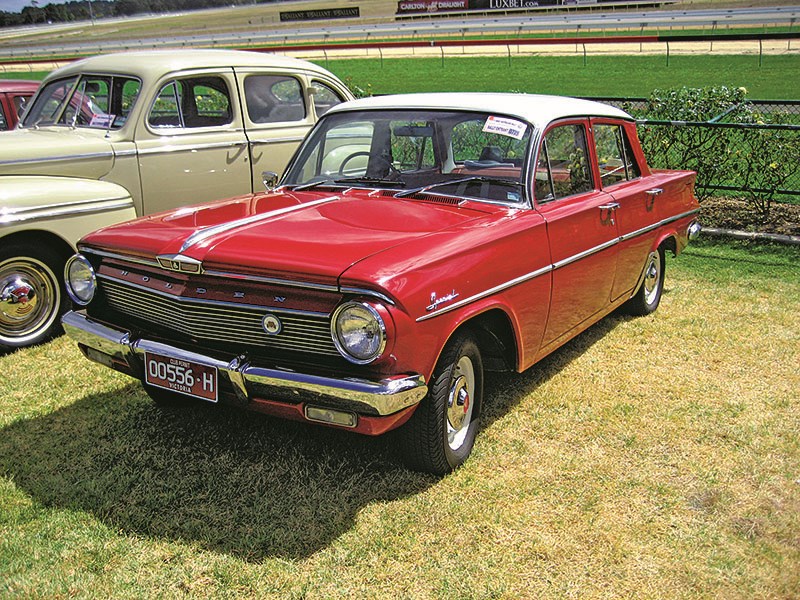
x: 31, y: 295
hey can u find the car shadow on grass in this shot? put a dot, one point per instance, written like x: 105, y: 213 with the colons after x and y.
x: 231, y: 481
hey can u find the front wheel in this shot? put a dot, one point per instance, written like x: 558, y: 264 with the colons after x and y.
x: 31, y: 295
x: 441, y: 433
x: 648, y: 296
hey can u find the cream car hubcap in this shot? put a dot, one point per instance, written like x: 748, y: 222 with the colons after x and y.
x: 29, y: 298
x: 459, y: 403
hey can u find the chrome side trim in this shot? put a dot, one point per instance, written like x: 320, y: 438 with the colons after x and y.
x: 208, y: 232
x: 489, y: 292
x: 173, y: 148
x: 44, y: 212
x: 278, y: 140
x: 383, y: 397
x: 571, y: 259
x: 62, y: 158
x: 661, y: 223
x: 557, y: 265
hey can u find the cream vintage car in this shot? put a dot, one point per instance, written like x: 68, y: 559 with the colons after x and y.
x: 114, y: 137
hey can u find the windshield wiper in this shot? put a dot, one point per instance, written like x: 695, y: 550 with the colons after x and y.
x: 371, y: 181
x: 480, y: 178
x: 376, y: 181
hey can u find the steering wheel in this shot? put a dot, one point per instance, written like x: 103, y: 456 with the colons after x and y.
x: 349, y: 158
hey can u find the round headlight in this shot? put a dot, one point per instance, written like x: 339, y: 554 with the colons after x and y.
x: 80, y: 278
x: 359, y: 332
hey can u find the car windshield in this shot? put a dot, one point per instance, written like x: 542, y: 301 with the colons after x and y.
x: 97, y: 101
x: 452, y: 153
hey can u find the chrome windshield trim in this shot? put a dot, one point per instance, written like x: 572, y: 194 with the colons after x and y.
x: 45, y: 212
x: 208, y: 232
x: 207, y: 302
x: 489, y: 292
x: 68, y: 157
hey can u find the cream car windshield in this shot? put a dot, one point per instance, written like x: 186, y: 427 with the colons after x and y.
x: 449, y: 153
x: 96, y: 101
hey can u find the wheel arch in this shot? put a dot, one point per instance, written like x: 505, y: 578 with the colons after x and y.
x: 40, y: 237
x: 495, y: 336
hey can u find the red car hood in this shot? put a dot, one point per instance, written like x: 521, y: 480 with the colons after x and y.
x: 310, y: 236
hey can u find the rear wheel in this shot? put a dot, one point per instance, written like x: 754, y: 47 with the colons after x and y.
x: 648, y: 296
x: 32, y: 297
x: 441, y: 433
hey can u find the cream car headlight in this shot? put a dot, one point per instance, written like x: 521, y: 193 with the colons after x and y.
x: 359, y: 332
x: 81, y: 280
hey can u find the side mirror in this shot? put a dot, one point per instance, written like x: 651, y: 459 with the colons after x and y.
x: 269, y: 179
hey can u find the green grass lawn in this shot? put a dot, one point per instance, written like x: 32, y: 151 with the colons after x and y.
x: 616, y: 76
x: 654, y: 457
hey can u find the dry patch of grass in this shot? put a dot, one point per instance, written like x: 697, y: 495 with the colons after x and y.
x: 654, y: 457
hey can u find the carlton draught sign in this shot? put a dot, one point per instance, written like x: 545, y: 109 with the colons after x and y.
x: 418, y: 6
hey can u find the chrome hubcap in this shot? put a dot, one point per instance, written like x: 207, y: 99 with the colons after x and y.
x: 29, y: 298
x: 459, y: 403
x: 652, y: 277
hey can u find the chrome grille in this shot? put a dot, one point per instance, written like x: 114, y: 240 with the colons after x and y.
x: 220, y: 322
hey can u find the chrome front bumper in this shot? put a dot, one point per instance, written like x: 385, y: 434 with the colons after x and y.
x: 114, y: 347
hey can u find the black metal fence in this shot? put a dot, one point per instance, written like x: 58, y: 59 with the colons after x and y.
x: 760, y: 161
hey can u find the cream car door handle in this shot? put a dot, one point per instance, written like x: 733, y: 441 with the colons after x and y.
x: 654, y: 192
x: 609, y: 206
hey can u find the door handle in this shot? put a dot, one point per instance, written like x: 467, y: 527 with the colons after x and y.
x: 654, y: 192
x: 611, y: 207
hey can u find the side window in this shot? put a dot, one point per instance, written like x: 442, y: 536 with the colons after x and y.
x: 274, y: 99
x: 614, y: 155
x: 190, y: 103
x: 563, y: 166
x: 324, y: 98
x: 3, y: 121
x: 50, y: 102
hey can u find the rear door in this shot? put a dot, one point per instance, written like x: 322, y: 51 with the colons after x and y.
x: 636, y: 197
x: 279, y: 110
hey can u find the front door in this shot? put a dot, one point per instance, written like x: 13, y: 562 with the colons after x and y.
x: 192, y: 147
x: 581, y: 229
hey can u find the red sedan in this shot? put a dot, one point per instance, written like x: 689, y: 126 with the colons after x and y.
x: 13, y: 95
x: 413, y: 243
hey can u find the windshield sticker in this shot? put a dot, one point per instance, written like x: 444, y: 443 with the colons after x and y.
x: 507, y: 127
x: 101, y: 121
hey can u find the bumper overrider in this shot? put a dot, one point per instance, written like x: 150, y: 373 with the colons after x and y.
x: 369, y: 407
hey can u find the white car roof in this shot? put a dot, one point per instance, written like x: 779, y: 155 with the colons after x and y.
x: 537, y: 109
x: 148, y: 64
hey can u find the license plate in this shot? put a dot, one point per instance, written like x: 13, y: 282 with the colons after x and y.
x: 182, y: 376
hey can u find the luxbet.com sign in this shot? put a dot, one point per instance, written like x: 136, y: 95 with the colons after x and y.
x: 511, y: 4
